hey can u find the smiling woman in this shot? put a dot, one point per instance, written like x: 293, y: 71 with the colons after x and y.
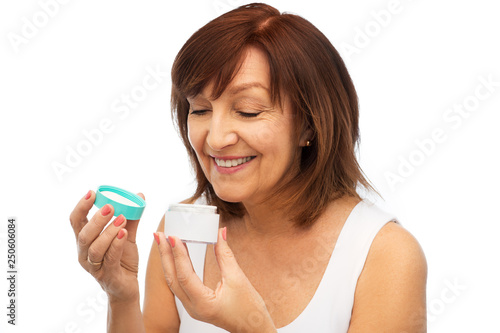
x: 269, y: 116
x: 298, y: 66
x: 241, y: 140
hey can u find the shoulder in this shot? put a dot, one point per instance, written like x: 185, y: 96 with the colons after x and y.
x: 395, y: 244
x: 392, y: 286
x: 394, y: 254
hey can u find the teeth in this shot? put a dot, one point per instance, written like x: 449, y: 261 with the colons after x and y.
x: 232, y: 163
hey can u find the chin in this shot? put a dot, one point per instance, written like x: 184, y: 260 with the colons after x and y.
x: 229, y: 198
x: 229, y: 195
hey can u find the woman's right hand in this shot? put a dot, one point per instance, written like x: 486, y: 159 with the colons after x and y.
x: 109, y: 253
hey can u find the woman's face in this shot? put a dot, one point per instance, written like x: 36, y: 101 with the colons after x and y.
x: 243, y: 142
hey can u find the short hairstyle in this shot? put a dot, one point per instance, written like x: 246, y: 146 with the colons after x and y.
x: 305, y: 67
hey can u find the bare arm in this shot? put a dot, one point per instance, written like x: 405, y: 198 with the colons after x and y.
x: 160, y: 312
x: 125, y: 317
x: 391, y: 291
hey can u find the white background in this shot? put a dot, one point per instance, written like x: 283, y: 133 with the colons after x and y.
x: 410, y: 69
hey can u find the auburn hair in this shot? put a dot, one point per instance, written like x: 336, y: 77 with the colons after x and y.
x: 305, y: 67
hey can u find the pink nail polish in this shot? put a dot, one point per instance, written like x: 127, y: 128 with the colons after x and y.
x: 157, y: 238
x: 105, y: 210
x: 171, y: 240
x: 224, y: 233
x: 87, y: 196
x: 119, y: 220
x: 121, y: 233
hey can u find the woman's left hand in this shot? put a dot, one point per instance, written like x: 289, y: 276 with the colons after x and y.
x: 234, y: 305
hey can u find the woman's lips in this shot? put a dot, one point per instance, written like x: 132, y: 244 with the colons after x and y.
x: 228, y: 165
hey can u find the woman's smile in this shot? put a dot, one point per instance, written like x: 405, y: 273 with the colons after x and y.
x: 229, y: 165
x: 228, y: 162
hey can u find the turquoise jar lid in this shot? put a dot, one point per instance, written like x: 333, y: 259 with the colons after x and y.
x: 124, y: 202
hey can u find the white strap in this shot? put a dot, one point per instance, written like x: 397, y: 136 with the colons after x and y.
x: 349, y: 258
x: 331, y: 306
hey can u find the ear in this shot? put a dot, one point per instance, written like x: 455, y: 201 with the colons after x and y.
x: 306, y: 135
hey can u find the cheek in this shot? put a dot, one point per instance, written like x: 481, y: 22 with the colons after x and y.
x: 266, y: 134
x: 194, y: 136
x: 274, y: 142
x: 278, y: 133
x: 279, y: 141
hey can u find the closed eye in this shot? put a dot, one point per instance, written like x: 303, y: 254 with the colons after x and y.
x: 198, y: 112
x: 248, y: 114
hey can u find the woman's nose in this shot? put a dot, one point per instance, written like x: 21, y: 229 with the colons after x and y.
x: 222, y: 132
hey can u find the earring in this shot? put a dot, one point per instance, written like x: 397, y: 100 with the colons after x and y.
x: 308, y: 143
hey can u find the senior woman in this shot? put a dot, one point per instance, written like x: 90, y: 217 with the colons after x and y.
x: 269, y: 116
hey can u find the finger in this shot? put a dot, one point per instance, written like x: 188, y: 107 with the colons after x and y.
x: 225, y: 256
x: 133, y: 224
x: 100, y: 246
x: 78, y: 216
x: 112, y: 258
x: 92, y: 230
x: 168, y: 264
x: 186, y: 276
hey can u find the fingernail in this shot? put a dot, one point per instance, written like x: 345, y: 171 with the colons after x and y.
x: 224, y: 233
x: 171, y: 240
x: 87, y: 196
x: 119, y: 220
x: 157, y: 238
x: 105, y: 210
x: 121, y: 233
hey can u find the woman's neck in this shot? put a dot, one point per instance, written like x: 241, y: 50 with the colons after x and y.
x: 264, y: 221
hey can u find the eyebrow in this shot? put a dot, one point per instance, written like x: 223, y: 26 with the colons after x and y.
x: 238, y: 89
x: 245, y: 86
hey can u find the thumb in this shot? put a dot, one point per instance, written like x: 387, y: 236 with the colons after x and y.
x: 225, y: 257
x: 133, y: 224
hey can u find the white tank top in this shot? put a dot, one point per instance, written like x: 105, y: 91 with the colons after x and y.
x: 330, y: 308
